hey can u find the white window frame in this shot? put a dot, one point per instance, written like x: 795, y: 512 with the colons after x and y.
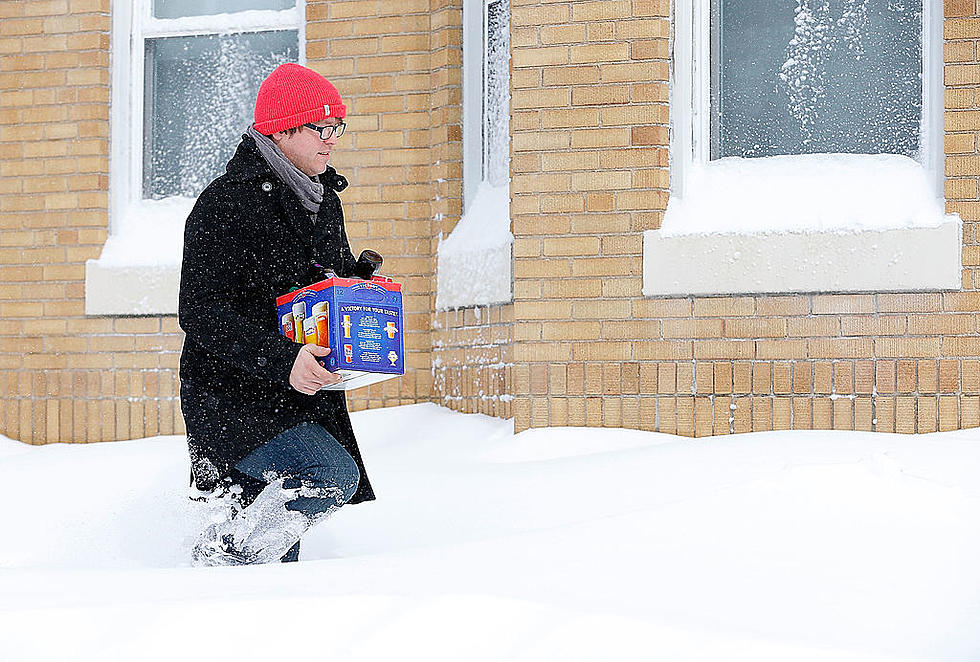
x: 475, y: 151
x: 474, y: 41
x: 691, y: 97
x: 461, y: 266
x: 153, y: 282
x: 769, y: 263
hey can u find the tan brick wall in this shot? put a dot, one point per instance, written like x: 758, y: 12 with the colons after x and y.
x: 590, y: 175
x: 472, y: 359
x: 65, y: 376
x: 472, y: 349
x: 381, y: 56
x: 69, y: 377
x: 580, y: 345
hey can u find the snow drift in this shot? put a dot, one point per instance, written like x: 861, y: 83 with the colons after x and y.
x: 570, y: 544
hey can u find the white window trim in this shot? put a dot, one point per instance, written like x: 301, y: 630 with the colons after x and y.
x: 474, y: 33
x: 770, y: 263
x: 151, y: 284
x: 461, y: 262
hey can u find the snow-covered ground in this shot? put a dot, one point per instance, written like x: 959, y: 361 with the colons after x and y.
x: 558, y: 544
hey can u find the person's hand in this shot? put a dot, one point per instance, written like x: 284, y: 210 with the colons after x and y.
x: 307, y: 375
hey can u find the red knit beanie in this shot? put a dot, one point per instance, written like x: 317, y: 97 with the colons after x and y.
x: 293, y: 95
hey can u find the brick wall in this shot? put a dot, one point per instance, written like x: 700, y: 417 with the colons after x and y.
x: 378, y: 54
x: 65, y: 376
x: 590, y: 134
x: 471, y: 348
x: 69, y: 377
x: 472, y: 359
x: 590, y: 173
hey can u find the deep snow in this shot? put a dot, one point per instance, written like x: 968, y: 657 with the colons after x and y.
x: 558, y: 544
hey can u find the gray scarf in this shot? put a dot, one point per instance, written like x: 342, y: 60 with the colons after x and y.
x: 309, y: 191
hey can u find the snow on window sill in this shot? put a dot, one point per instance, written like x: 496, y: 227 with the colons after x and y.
x: 138, y: 272
x: 474, y: 261
x: 807, y: 223
x: 252, y: 20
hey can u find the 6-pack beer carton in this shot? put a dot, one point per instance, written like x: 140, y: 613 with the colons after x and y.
x: 359, y: 320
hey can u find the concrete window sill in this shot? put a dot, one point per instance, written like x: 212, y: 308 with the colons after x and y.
x: 899, y: 260
x: 131, y: 289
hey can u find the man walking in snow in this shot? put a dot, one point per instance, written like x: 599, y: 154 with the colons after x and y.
x: 260, y: 431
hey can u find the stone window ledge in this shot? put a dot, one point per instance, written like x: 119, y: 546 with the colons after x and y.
x: 899, y: 260
x: 112, y: 289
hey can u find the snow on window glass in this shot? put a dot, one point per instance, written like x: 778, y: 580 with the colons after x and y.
x: 496, y: 122
x: 816, y: 76
x: 199, y: 96
x: 178, y: 8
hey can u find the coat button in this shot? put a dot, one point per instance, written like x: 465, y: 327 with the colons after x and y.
x: 266, y: 186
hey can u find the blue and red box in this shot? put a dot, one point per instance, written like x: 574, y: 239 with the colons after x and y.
x: 359, y: 320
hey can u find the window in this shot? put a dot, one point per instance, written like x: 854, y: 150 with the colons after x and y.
x: 799, y: 125
x: 193, y: 109
x: 474, y: 261
x: 196, y: 70
x: 185, y: 74
x: 848, y: 79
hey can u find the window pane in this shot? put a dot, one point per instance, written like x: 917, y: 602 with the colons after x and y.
x: 812, y: 76
x: 200, y: 96
x: 179, y: 8
x: 496, y: 115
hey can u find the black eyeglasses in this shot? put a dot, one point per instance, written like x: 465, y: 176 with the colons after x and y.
x: 327, y: 131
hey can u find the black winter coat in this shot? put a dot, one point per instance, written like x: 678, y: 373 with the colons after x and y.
x: 247, y: 241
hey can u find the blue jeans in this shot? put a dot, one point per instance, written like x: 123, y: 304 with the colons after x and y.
x: 309, y: 457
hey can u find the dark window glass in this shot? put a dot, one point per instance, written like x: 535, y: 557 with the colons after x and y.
x: 812, y: 76
x: 199, y: 97
x: 496, y: 113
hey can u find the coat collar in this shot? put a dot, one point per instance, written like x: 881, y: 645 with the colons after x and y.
x: 248, y: 166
